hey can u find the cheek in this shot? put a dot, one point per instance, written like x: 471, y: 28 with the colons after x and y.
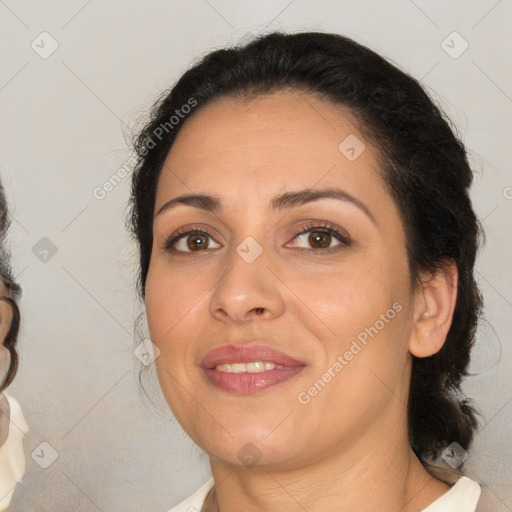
x: 172, y: 297
x: 349, y: 300
x: 174, y: 309
x: 4, y: 361
x: 363, y: 323
x: 177, y: 312
x: 361, y: 312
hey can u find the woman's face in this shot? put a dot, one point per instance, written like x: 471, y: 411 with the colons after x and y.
x: 297, y: 259
x: 5, y: 324
x: 6, y: 315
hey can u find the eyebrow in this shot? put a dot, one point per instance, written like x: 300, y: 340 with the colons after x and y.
x: 202, y: 201
x: 281, y: 202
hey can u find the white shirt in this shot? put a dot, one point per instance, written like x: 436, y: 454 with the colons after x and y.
x: 12, y: 455
x: 462, y: 497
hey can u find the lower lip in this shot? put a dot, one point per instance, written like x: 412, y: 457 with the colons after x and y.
x: 249, y: 383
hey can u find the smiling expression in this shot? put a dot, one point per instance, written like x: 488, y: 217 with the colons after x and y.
x: 272, y: 251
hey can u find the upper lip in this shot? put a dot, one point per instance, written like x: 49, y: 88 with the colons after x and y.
x: 245, y: 354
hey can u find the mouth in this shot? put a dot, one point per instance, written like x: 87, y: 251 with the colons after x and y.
x: 248, y: 369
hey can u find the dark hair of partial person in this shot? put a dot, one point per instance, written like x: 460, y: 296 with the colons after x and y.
x: 423, y: 164
x: 12, y: 291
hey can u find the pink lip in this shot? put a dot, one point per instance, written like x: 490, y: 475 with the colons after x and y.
x: 248, y: 383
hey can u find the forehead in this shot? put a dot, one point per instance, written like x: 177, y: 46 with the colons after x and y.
x: 294, y: 120
x: 270, y: 144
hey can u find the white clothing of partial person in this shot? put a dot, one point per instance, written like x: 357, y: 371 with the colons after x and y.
x: 462, y: 497
x: 13, y: 463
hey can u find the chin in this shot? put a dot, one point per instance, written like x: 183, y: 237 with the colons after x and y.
x: 248, y: 446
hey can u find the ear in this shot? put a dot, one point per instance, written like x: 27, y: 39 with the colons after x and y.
x: 434, y: 303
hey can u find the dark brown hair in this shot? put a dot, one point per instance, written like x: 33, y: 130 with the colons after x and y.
x: 423, y: 163
x: 13, y: 290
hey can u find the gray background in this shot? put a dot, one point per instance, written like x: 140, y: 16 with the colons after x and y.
x: 63, y: 124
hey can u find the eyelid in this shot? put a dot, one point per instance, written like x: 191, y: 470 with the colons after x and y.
x: 326, y: 226
x: 306, y: 227
x: 182, y: 232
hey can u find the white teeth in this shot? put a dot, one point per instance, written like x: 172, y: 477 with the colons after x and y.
x: 252, y: 367
x: 258, y: 366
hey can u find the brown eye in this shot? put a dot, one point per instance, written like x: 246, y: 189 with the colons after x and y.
x: 319, y: 239
x: 197, y: 242
x: 191, y: 241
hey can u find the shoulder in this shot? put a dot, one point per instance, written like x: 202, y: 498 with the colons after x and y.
x: 12, y: 454
x: 16, y: 412
x: 463, y: 497
x: 195, y: 502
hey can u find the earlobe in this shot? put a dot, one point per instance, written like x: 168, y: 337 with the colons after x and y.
x: 434, y: 304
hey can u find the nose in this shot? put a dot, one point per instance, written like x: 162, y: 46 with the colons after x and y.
x: 247, y: 291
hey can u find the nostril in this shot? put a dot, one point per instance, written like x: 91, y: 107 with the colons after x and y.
x: 259, y: 311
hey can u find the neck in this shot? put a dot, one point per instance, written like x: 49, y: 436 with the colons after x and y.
x: 368, y: 477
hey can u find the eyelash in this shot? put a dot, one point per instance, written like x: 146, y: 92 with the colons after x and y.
x: 324, y: 227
